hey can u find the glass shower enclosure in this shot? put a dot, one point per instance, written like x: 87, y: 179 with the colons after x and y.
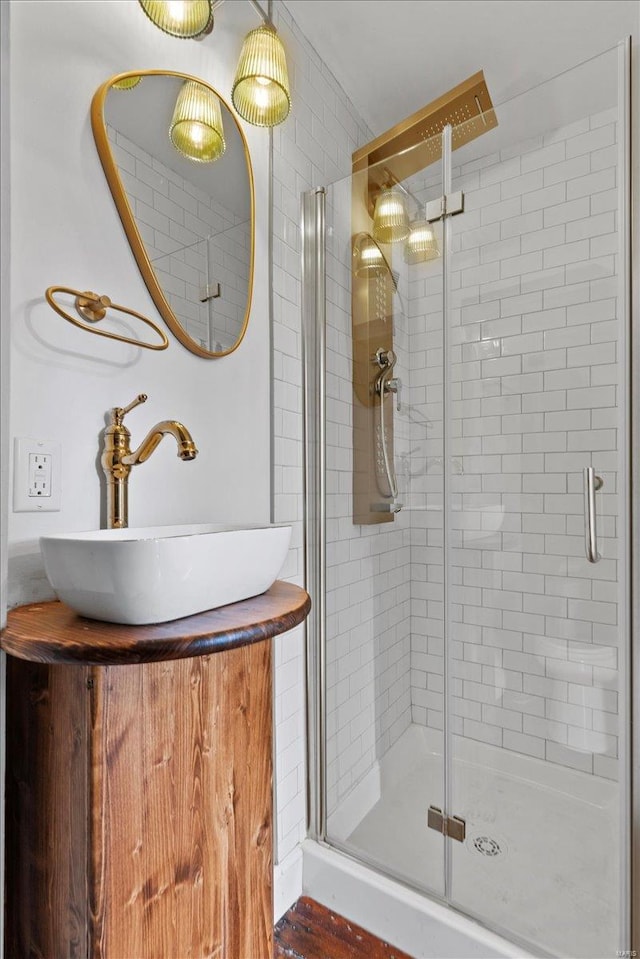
x: 469, y: 654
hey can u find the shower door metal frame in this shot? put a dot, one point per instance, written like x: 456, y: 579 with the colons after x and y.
x: 313, y: 227
x: 313, y: 328
x: 628, y: 482
x: 630, y: 221
x: 447, y: 696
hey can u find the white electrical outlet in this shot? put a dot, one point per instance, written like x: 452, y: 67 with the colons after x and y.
x: 36, y: 476
x: 39, y: 474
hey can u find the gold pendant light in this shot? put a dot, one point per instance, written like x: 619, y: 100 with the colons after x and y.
x: 260, y: 91
x: 185, y: 19
x: 196, y: 127
x: 421, y: 244
x: 390, y: 218
x: 368, y: 260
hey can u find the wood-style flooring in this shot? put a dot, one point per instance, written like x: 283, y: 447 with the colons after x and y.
x: 311, y: 931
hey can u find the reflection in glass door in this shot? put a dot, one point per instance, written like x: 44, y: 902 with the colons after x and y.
x: 476, y: 651
x: 384, y: 584
x: 536, y: 356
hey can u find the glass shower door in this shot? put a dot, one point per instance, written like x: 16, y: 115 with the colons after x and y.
x: 474, y: 653
x: 535, y: 543
x: 384, y: 647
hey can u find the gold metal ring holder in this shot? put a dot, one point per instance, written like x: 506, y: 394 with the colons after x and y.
x: 94, y: 308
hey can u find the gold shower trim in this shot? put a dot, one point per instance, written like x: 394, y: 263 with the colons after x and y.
x: 94, y: 308
x: 407, y: 148
x: 467, y: 108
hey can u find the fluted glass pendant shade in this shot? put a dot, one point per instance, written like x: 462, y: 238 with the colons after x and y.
x: 368, y: 260
x: 185, y: 19
x: 421, y: 244
x: 127, y: 83
x: 260, y: 91
x: 390, y: 218
x: 196, y: 128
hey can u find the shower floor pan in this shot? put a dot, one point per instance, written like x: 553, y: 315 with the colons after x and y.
x: 541, y: 855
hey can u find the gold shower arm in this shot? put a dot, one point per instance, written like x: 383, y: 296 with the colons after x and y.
x: 94, y: 308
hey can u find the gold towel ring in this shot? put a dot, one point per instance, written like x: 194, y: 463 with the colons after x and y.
x: 94, y: 308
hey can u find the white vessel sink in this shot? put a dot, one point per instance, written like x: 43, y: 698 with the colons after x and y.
x: 159, y: 573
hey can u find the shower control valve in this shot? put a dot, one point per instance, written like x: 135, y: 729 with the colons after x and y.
x: 394, y: 385
x: 386, y: 359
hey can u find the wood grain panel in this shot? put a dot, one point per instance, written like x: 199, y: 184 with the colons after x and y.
x: 119, y: 835
x: 53, y: 633
x: 46, y: 812
x: 140, y: 809
x: 311, y: 931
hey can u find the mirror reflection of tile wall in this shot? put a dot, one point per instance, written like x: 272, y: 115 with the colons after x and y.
x: 192, y: 241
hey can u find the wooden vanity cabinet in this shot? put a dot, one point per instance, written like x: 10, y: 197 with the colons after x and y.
x: 139, y: 794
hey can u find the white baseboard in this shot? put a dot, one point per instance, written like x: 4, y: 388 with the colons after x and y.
x: 411, y: 922
x: 287, y: 883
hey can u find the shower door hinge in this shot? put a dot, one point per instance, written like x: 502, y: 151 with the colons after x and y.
x: 451, y: 826
x: 447, y: 205
x: 211, y: 291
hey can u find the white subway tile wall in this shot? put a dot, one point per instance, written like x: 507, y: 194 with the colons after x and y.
x: 313, y: 148
x: 192, y: 241
x: 534, y: 400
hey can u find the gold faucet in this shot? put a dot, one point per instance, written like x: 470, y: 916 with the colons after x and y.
x: 117, y: 458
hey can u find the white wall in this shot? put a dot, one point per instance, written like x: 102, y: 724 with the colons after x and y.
x: 65, y: 230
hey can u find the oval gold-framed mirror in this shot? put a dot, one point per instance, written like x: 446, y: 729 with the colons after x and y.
x: 186, y: 201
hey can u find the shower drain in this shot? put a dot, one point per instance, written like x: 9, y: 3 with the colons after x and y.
x: 487, y: 846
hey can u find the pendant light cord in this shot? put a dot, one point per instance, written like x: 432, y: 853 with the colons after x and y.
x: 265, y: 17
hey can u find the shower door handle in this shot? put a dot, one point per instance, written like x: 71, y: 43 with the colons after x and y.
x: 592, y: 484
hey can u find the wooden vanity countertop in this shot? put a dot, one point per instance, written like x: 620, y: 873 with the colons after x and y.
x: 53, y: 633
